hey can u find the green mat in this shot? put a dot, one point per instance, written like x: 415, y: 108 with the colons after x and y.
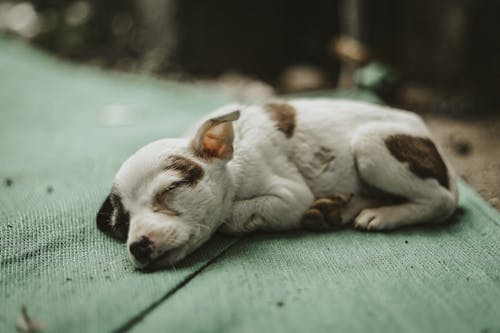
x: 64, y: 131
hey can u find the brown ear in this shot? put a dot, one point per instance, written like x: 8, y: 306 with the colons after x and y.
x: 214, y: 138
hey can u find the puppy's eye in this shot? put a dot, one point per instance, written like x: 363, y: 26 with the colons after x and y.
x: 171, y: 187
x: 174, y: 185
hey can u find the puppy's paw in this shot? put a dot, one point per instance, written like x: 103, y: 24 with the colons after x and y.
x: 372, y: 220
x: 324, y: 213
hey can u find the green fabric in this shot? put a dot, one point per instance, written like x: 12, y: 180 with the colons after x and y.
x: 443, y: 279
x: 60, y: 147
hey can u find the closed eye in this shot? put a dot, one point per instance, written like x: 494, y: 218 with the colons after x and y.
x: 161, y: 195
x: 160, y: 204
x: 174, y: 185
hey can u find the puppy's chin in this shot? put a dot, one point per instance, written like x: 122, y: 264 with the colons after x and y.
x: 165, y: 260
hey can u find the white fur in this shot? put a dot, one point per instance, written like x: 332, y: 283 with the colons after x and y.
x: 272, y: 180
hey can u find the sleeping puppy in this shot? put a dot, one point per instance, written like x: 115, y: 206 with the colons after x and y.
x: 302, y: 163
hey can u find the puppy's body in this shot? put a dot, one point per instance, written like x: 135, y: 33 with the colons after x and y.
x: 330, y: 147
x: 313, y: 163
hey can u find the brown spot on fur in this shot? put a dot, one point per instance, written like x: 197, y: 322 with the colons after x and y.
x: 191, y: 171
x: 324, y: 213
x: 421, y: 155
x: 284, y: 116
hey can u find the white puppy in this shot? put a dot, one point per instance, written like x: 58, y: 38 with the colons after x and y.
x: 313, y: 163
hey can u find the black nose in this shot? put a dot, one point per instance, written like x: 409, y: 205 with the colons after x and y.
x: 142, y: 249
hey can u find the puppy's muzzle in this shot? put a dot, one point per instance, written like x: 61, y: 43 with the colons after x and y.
x: 142, y: 250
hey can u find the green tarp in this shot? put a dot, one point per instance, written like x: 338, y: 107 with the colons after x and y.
x: 64, y: 130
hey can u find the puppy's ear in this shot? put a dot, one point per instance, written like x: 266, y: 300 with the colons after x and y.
x: 103, y: 218
x: 214, y: 138
x: 118, y: 226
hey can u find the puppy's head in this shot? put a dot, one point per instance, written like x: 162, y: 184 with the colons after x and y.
x: 171, y: 195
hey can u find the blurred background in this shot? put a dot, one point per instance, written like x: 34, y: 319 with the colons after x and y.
x: 433, y: 55
x: 439, y: 58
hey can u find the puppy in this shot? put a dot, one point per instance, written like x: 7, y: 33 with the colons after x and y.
x: 310, y: 163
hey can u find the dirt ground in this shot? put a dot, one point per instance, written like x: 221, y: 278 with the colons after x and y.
x: 473, y: 148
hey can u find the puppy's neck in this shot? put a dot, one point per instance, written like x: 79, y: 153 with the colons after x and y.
x: 227, y: 192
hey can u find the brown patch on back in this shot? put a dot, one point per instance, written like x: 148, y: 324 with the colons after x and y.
x: 191, y: 171
x: 284, y: 116
x: 421, y: 155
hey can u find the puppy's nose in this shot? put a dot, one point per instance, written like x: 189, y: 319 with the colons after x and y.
x: 141, y: 249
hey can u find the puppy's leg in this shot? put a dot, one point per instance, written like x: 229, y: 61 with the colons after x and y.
x: 279, y: 209
x: 406, y: 165
x: 358, y: 204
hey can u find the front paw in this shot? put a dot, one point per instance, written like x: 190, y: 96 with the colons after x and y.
x: 374, y: 219
x: 324, y: 213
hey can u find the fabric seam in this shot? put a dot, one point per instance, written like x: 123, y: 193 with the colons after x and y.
x: 131, y: 323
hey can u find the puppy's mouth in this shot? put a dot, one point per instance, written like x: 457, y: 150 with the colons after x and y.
x: 169, y: 257
x: 166, y: 259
